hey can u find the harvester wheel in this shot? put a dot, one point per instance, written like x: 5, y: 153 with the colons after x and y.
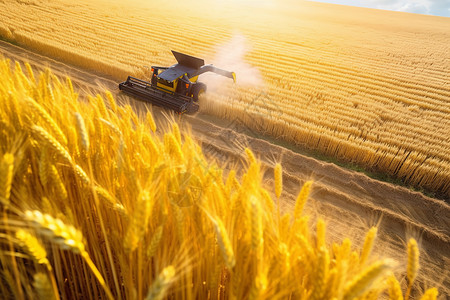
x: 197, y: 90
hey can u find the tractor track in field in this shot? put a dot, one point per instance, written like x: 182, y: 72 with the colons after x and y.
x: 349, y: 201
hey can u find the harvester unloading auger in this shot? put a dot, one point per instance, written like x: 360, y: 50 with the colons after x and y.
x: 174, y: 87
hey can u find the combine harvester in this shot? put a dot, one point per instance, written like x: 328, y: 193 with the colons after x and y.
x: 174, y: 87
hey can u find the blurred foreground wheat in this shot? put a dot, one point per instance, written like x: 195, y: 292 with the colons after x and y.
x: 98, y: 204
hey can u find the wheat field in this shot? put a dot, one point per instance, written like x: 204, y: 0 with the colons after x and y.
x: 336, y: 80
x: 100, y: 203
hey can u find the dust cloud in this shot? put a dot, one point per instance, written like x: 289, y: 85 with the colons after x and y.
x: 231, y: 57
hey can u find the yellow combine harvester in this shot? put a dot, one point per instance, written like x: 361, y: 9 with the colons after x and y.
x: 176, y: 87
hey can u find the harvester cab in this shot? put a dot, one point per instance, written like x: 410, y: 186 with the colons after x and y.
x: 176, y: 87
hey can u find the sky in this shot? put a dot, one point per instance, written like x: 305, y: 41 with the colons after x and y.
x: 427, y: 7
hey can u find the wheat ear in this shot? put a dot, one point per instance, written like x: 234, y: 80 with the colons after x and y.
x: 278, y: 177
x: 41, y: 134
x: 176, y: 132
x: 430, y: 294
x: 413, y: 265
x: 258, y: 287
x: 6, y: 177
x: 44, y: 167
x: 79, y: 172
x: 82, y: 132
x: 36, y: 107
x: 159, y: 287
x: 301, y: 199
x: 156, y: 238
x: 30, y: 72
x: 59, y: 185
x: 138, y: 223
x: 70, y: 86
x: 320, y: 238
x: 105, y: 196
x: 395, y: 291
x: 368, y: 245
x: 31, y: 244
x: 111, y: 101
x: 365, y: 280
x: 173, y: 147
x: 150, y: 121
x: 256, y: 223
x: 224, y: 244
x: 250, y: 156
x: 267, y: 200
x: 67, y: 237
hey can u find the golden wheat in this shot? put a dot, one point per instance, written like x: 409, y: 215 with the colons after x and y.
x: 43, y: 287
x: 413, y: 265
x: 368, y: 245
x: 159, y: 288
x: 32, y: 246
x: 364, y: 281
x: 395, y: 291
x: 178, y: 227
x: 301, y: 199
x: 6, y: 177
x: 430, y: 294
x: 81, y: 128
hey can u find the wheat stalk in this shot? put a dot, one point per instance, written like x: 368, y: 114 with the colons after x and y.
x: 321, y: 273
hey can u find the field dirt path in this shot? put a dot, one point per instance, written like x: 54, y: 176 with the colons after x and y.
x: 350, y: 202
